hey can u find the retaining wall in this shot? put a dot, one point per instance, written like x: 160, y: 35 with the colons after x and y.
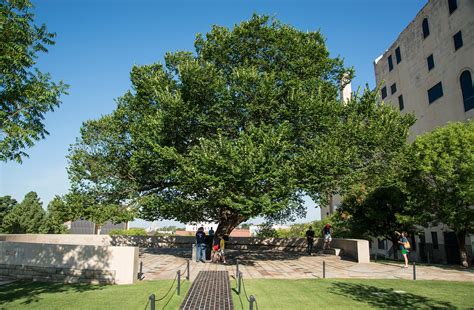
x: 354, y: 249
x: 68, y: 263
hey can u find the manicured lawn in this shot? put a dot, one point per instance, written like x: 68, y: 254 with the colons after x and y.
x: 350, y: 294
x: 23, y: 295
x: 270, y: 294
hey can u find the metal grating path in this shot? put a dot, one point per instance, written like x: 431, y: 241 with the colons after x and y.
x: 210, y: 291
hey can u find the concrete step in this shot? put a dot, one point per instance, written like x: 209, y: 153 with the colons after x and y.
x: 332, y: 251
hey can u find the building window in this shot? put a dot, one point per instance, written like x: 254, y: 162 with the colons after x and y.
x: 434, y: 240
x: 453, y: 5
x: 390, y: 63
x: 467, y: 90
x: 384, y: 92
x: 400, y: 102
x: 398, y: 56
x: 393, y: 88
x: 457, y: 40
x: 381, y: 244
x: 426, y: 28
x: 430, y: 61
x: 435, y: 92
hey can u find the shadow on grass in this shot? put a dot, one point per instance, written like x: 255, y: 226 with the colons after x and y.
x: 386, y: 297
x: 30, y: 292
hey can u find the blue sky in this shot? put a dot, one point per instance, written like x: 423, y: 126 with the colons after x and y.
x: 98, y: 41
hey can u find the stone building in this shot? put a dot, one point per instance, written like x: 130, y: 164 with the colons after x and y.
x: 428, y: 71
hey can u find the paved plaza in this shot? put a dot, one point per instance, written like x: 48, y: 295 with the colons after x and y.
x: 164, y: 263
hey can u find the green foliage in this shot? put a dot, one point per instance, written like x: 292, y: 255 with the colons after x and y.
x: 57, y: 215
x: 241, y: 128
x: 26, y: 217
x: 299, y: 230
x: 128, y: 232
x: 441, y: 178
x: 26, y: 94
x: 267, y: 231
x: 378, y: 213
x: 7, y: 203
x: 163, y: 234
x: 94, y: 208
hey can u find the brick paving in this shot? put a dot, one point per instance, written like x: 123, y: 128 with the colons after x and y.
x: 163, y: 264
x: 209, y: 291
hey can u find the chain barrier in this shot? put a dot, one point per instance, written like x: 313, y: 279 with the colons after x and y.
x: 250, y: 299
x: 178, y: 273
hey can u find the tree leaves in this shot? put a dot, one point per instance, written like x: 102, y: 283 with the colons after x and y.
x: 26, y: 94
x: 241, y: 128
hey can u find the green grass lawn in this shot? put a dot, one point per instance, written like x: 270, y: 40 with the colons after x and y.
x: 23, y: 295
x: 349, y: 294
x: 270, y: 294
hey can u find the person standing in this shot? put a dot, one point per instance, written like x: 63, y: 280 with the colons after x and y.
x: 327, y: 235
x: 201, y: 245
x: 309, y: 240
x: 222, y: 248
x: 404, y: 246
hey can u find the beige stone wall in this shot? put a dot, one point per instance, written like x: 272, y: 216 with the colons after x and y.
x: 79, y: 263
x: 58, y: 239
x: 355, y: 249
x: 411, y: 75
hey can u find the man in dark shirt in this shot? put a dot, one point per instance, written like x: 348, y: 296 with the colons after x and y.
x: 310, y: 240
x: 201, y: 245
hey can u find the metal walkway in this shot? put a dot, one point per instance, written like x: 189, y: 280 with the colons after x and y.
x: 210, y: 290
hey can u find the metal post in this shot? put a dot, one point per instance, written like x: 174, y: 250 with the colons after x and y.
x: 152, y: 301
x: 324, y: 269
x: 178, y: 288
x: 140, y: 273
x: 252, y: 300
x: 239, y: 279
x: 414, y: 270
x: 187, y: 270
x: 236, y: 267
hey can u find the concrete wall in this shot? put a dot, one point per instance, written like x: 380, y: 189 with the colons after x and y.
x: 354, y: 249
x: 68, y: 262
x: 102, y: 240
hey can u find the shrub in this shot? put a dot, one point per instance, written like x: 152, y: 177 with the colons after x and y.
x: 129, y: 232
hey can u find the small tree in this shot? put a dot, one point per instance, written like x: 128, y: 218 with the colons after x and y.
x: 7, y: 203
x: 26, y: 94
x: 377, y: 213
x: 57, y: 214
x: 25, y: 218
x: 441, y: 180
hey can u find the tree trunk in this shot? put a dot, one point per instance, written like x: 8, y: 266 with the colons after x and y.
x: 228, y: 221
x: 465, y: 260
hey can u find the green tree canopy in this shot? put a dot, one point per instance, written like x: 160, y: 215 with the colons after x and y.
x: 7, y: 203
x: 57, y: 214
x: 26, y: 217
x: 26, y: 94
x: 379, y: 213
x: 243, y: 127
x: 441, y: 180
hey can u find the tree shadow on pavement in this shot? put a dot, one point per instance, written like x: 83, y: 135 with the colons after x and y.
x: 31, y: 291
x: 386, y: 297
